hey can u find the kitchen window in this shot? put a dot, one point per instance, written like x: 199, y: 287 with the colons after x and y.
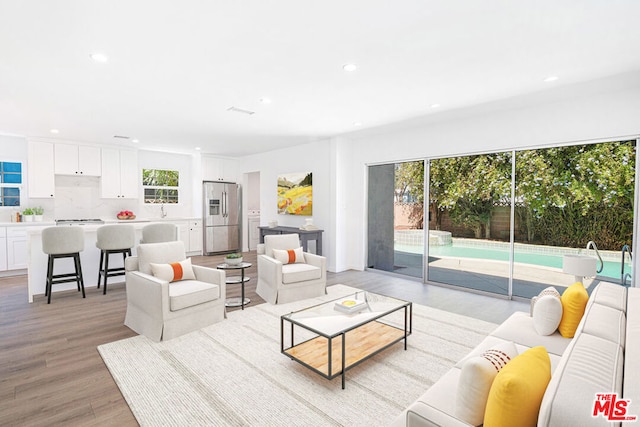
x: 160, y: 186
x: 10, y: 183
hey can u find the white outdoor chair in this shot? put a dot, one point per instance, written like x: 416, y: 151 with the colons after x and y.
x: 162, y: 310
x: 281, y: 283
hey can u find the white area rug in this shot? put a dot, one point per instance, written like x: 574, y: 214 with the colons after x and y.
x: 232, y: 373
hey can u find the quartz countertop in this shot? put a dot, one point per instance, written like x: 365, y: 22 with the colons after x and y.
x: 48, y: 223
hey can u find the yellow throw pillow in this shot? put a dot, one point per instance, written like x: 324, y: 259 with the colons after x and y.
x: 518, y: 389
x: 173, y: 272
x: 574, y: 300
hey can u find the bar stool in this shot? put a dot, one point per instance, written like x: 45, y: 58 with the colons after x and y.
x: 113, y: 239
x: 158, y: 233
x: 63, y: 242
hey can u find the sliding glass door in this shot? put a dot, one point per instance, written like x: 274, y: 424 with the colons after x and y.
x: 566, y: 198
x: 469, y: 227
x: 502, y: 222
x: 396, y: 218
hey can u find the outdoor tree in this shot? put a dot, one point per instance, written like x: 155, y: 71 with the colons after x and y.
x: 409, y: 184
x: 471, y: 187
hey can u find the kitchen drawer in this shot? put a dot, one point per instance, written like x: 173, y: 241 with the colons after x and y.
x: 17, y: 232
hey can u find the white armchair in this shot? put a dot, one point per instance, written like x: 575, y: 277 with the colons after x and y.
x: 281, y: 283
x: 162, y: 310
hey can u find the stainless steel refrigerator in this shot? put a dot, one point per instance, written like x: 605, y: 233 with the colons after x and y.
x: 221, y: 217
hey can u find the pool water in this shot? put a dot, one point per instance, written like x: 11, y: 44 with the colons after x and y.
x: 611, y: 268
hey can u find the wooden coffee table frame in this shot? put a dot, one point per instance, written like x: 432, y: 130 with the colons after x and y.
x: 346, y: 348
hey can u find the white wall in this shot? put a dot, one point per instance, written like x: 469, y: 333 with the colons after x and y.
x: 603, y: 109
x: 313, y: 157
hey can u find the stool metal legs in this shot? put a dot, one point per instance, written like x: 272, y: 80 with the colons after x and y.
x: 53, y: 279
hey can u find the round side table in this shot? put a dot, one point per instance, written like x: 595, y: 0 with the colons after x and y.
x: 231, y: 280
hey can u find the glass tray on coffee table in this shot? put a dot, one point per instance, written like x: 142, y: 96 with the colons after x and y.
x: 333, y: 337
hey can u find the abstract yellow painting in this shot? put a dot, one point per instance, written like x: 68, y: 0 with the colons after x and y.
x: 295, y: 194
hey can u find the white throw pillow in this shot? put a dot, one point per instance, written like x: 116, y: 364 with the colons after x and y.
x: 476, y: 376
x: 547, y: 291
x: 290, y: 256
x: 174, y: 271
x: 547, y: 314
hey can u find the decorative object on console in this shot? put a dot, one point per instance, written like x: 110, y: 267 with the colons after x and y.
x: 308, y: 225
x: 295, y: 194
x: 233, y: 259
x: 126, y: 215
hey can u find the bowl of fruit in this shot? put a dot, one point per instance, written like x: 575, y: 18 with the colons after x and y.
x: 126, y: 215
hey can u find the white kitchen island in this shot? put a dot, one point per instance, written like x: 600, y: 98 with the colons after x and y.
x: 89, y: 257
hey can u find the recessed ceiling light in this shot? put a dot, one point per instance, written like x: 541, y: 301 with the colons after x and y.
x: 54, y: 131
x: 197, y: 148
x: 551, y: 79
x: 349, y: 67
x: 99, y: 57
x: 135, y: 141
x: 357, y: 123
x: 265, y: 100
x: 435, y: 105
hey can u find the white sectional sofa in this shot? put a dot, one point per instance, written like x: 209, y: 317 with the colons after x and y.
x: 602, y: 357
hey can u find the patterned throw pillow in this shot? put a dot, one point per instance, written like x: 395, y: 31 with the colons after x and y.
x: 290, y: 256
x: 476, y: 376
x: 173, y: 272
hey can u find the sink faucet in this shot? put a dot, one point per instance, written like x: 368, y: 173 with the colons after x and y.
x: 162, y: 212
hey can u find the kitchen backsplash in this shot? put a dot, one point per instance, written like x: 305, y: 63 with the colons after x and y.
x: 79, y: 197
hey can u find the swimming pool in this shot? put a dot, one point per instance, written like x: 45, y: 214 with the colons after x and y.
x: 496, y: 251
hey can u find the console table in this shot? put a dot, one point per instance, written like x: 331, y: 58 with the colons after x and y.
x: 305, y: 236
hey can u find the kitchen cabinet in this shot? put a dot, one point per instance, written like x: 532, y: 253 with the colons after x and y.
x: 40, y: 171
x: 254, y: 232
x: 195, y: 236
x: 72, y: 159
x: 3, y: 248
x: 16, y: 248
x: 190, y: 232
x: 183, y: 233
x: 119, y: 174
x: 219, y: 169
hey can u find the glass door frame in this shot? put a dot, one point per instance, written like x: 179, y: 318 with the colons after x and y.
x: 509, y: 295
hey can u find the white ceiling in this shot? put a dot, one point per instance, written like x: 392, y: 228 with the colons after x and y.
x: 175, y: 67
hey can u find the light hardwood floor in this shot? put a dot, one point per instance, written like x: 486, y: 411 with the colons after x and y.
x: 52, y: 374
